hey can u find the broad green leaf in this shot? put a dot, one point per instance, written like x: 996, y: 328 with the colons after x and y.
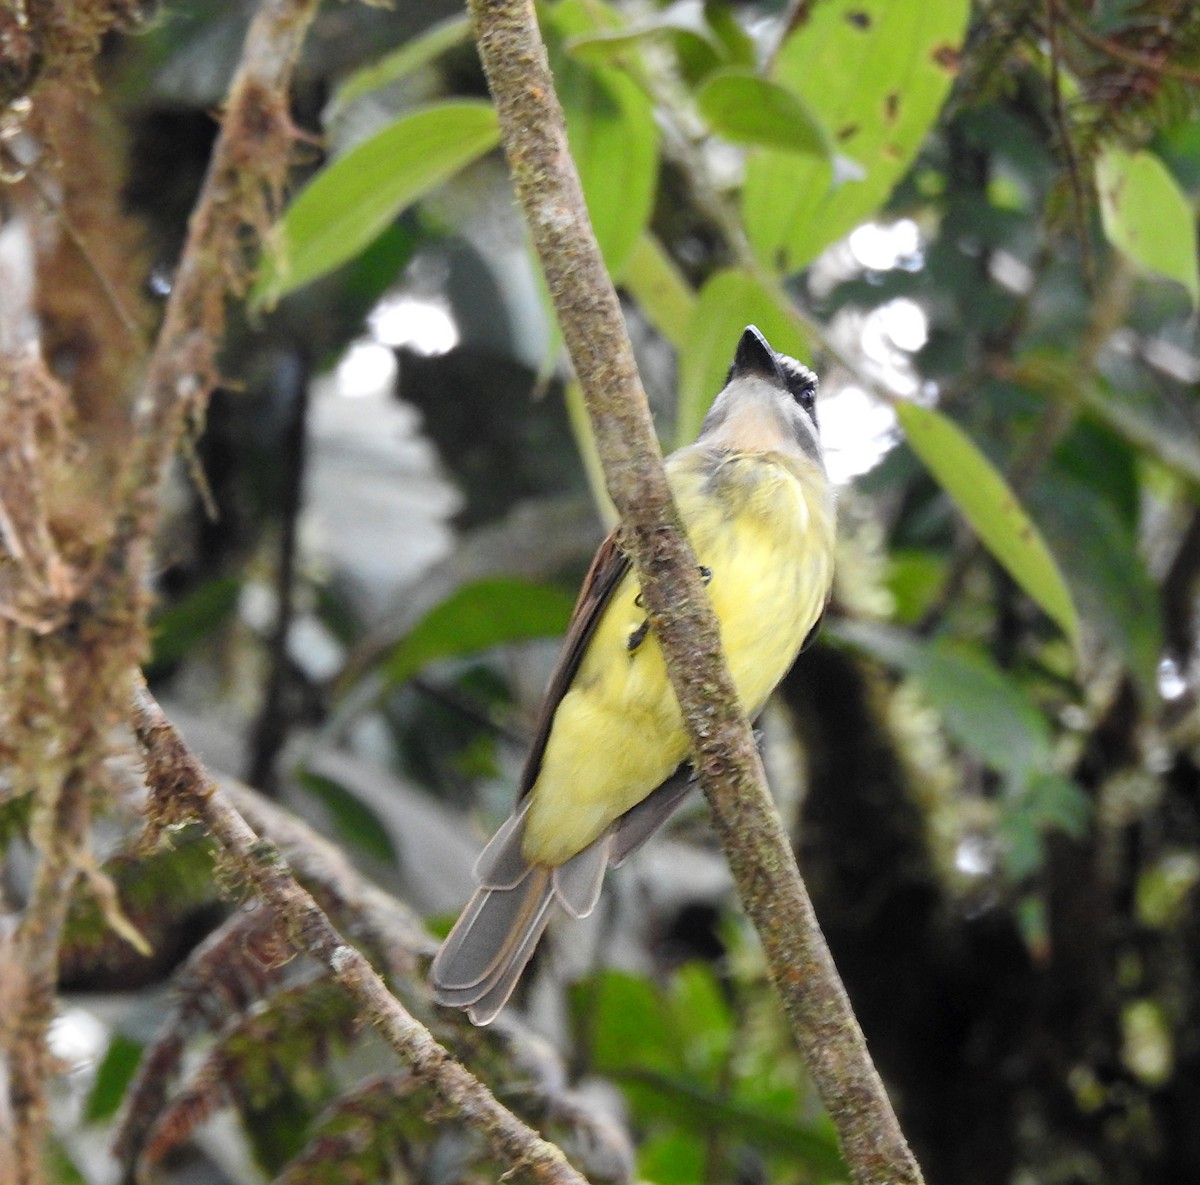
x: 992, y: 509
x: 984, y: 709
x: 354, y: 198
x: 727, y: 303
x: 1100, y: 459
x: 660, y: 289
x: 697, y: 999
x: 874, y: 73
x: 354, y: 820
x: 478, y: 616
x: 1147, y: 217
x: 745, y: 108
x: 612, y: 134
x: 671, y: 1051
x: 1115, y: 593
x: 631, y: 1026
x: 400, y: 63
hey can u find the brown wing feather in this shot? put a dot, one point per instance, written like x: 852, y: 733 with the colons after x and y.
x: 609, y: 566
x: 483, y: 956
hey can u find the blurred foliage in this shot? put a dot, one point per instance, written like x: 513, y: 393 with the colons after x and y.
x: 988, y: 765
x: 705, y: 1076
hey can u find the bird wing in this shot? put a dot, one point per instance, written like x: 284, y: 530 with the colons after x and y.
x: 609, y: 567
x: 484, y: 954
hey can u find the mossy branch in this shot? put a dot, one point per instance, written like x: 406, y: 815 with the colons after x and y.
x: 241, y: 190
x: 769, y: 884
x: 181, y: 788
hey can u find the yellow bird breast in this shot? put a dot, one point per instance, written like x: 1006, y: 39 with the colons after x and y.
x: 763, y: 527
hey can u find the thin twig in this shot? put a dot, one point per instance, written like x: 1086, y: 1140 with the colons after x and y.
x: 1074, y: 173
x: 1113, y: 49
x: 124, y: 317
x: 37, y: 943
x: 181, y: 788
x: 724, y: 752
x: 271, y: 727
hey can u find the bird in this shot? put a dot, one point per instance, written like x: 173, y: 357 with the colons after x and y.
x: 609, y: 762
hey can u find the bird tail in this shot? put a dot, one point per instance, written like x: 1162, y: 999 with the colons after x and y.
x: 482, y: 958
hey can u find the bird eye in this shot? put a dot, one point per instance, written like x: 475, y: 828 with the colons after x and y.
x: 801, y: 384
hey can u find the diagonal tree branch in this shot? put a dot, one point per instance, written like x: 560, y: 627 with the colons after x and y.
x: 547, y: 184
x: 180, y: 789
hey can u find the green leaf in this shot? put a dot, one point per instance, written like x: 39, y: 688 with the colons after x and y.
x: 673, y: 1158
x: 112, y: 1078
x: 1057, y: 802
x: 699, y: 1003
x: 747, y: 109
x: 984, y: 709
x: 991, y: 508
x: 738, y: 45
x: 727, y: 303
x: 1145, y: 417
x: 1021, y: 848
x: 400, y: 63
x: 589, y: 454
x: 874, y: 73
x: 612, y: 134
x: 632, y: 1027
x: 670, y: 1052
x: 354, y: 820
x: 353, y: 199
x: 180, y: 627
x: 1049, y: 802
x: 654, y: 281
x: 678, y: 1099
x: 1115, y: 592
x: 913, y: 578
x: 681, y: 25
x: 1147, y: 217
x: 476, y: 617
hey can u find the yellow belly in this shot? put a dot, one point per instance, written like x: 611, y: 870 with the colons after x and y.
x: 765, y: 532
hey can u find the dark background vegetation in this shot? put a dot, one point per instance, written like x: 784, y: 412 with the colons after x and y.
x: 357, y: 603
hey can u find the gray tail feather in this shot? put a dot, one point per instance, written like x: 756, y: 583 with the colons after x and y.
x: 482, y: 958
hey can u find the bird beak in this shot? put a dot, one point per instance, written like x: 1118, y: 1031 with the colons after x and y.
x: 755, y: 357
